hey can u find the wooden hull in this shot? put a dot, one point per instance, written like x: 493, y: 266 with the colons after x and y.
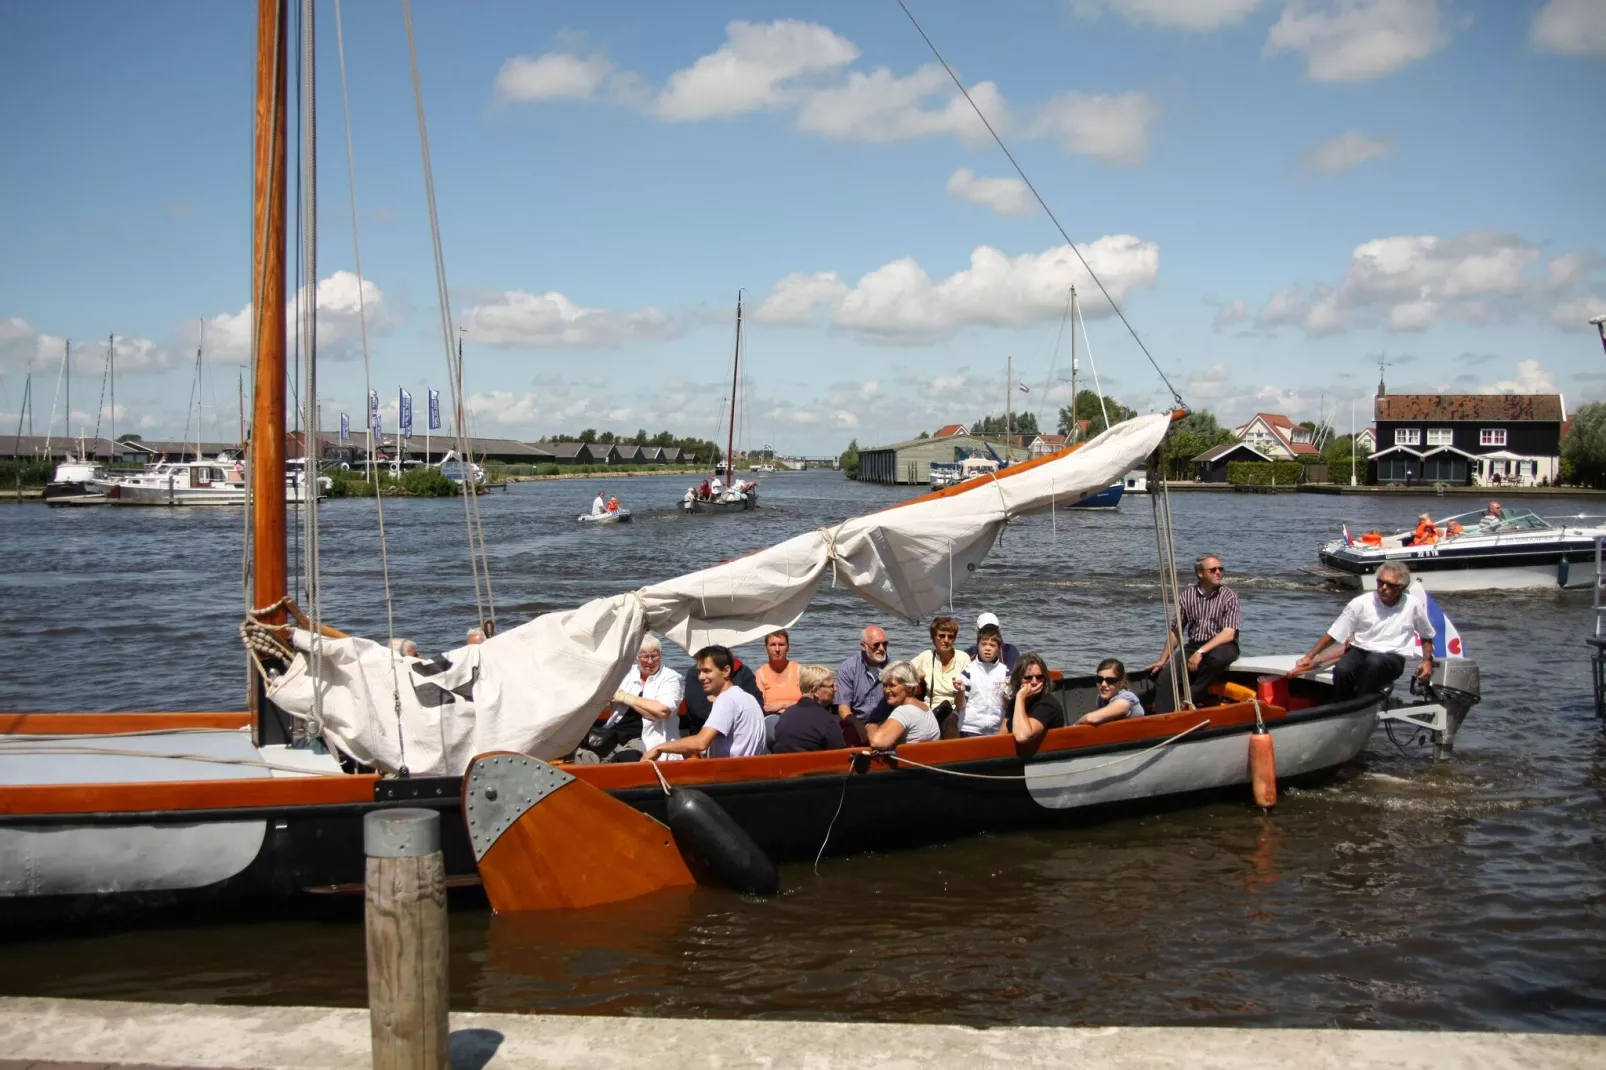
x: 739, y: 505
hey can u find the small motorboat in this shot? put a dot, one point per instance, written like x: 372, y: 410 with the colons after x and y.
x: 77, y: 483
x: 618, y: 516
x: 1470, y: 552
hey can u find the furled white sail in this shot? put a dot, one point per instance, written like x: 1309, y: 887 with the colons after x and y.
x: 537, y: 688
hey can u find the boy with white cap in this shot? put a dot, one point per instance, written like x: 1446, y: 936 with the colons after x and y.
x: 1011, y: 652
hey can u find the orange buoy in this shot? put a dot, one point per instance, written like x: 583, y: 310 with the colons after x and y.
x: 1262, y: 767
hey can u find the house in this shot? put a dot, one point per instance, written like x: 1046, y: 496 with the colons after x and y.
x: 951, y: 431
x: 910, y: 462
x: 1365, y: 441
x: 1043, y: 445
x: 1278, y: 437
x: 1211, y: 465
x: 630, y: 453
x: 572, y: 452
x: 1467, y: 439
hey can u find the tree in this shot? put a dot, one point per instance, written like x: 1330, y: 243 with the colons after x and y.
x: 924, y: 434
x: 640, y: 438
x: 606, y: 438
x: 1087, y: 408
x: 849, y: 461
x: 1584, y: 448
x: 588, y: 435
x: 1024, y: 423
x: 1189, y: 437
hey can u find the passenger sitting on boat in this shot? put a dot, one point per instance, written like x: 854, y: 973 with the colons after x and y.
x: 940, y: 666
x: 810, y: 723
x: 698, y: 702
x: 646, y: 705
x: 476, y: 636
x: 1426, y: 532
x: 613, y: 504
x: 704, y: 492
x: 1452, y: 529
x: 1115, y: 701
x: 1032, y: 710
x: 1381, y: 628
x: 405, y: 647
x: 691, y: 494
x: 910, y: 720
x: 1009, y: 653
x: 716, y: 489
x: 735, y: 725
x: 778, y: 677
x: 598, y: 507
x: 1492, y: 519
x: 980, y: 688
x: 1210, y: 623
x: 860, y: 698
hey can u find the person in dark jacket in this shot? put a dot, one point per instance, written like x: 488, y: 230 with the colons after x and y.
x: 810, y: 723
x: 698, y: 703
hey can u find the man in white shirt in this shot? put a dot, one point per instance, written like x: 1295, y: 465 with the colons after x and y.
x: 716, y: 488
x: 1381, y: 629
x: 735, y: 725
x: 650, y: 696
x: 599, y: 506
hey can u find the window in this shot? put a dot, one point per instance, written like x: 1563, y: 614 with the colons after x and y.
x: 1441, y: 436
x: 1407, y: 436
x: 1491, y: 436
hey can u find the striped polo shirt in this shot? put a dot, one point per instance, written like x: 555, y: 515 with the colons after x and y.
x: 1203, y: 616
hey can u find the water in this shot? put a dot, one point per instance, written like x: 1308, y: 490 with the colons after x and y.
x: 1469, y: 896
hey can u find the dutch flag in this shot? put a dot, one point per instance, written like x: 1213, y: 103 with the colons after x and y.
x: 1446, y: 640
x: 1348, y: 540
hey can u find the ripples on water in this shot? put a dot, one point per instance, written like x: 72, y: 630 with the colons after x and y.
x: 1468, y: 896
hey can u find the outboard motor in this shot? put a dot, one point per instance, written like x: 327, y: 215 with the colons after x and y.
x: 1456, y: 686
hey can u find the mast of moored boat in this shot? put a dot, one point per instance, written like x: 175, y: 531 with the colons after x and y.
x: 268, y: 336
x: 111, y: 373
x: 736, y: 372
x: 1076, y: 428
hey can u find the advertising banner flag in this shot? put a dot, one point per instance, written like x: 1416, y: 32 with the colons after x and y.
x: 434, y: 410
x: 373, y: 411
x: 345, y: 428
x: 404, y: 409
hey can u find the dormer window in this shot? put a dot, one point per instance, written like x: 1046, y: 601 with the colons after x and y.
x: 1491, y: 436
x: 1408, y: 436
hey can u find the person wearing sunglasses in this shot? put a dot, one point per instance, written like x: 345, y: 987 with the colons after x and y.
x: 1115, y: 701
x: 1208, y: 644
x: 1382, y: 629
x: 860, y: 699
x: 1032, y: 710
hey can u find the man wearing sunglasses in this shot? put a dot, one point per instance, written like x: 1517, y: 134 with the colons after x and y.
x: 1381, y: 629
x: 860, y: 698
x: 1209, y: 640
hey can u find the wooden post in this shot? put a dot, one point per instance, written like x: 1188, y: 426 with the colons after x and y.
x: 406, y: 923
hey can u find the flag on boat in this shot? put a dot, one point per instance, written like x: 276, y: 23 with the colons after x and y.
x: 1024, y: 389
x: 404, y: 414
x: 345, y: 428
x: 373, y: 411
x: 434, y: 410
x: 1348, y: 540
x: 1446, y: 639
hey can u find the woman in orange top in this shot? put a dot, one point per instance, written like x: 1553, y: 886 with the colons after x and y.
x: 777, y: 679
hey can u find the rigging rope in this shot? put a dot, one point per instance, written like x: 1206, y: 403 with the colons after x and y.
x: 307, y: 300
x: 1097, y: 388
x: 101, y: 409
x: 454, y: 365
x: 367, y: 380
x: 1052, y: 218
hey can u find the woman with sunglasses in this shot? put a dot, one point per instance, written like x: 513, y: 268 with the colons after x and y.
x: 1115, y: 701
x: 1032, y: 710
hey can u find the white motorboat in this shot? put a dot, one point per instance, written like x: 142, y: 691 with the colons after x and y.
x: 77, y: 483
x: 617, y: 516
x: 458, y: 470
x: 1137, y: 481
x: 219, y: 481
x: 1473, y: 551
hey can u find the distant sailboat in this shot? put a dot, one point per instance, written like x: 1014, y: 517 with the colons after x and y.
x: 730, y: 495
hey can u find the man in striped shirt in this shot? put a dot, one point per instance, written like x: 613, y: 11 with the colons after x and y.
x: 1209, y: 643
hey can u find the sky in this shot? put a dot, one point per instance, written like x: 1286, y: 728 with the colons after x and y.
x: 1279, y: 194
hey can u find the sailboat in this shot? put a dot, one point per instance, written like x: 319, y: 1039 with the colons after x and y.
x: 1110, y: 496
x: 76, y: 480
x: 107, y: 812
x: 727, y: 494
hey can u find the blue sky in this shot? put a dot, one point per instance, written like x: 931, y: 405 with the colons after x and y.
x: 1276, y: 192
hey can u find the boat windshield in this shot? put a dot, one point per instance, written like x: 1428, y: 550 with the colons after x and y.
x: 1481, y: 522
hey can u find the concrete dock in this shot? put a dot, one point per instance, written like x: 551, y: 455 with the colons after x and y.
x: 49, y: 1034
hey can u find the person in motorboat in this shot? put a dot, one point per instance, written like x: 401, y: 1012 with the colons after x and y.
x: 860, y: 698
x: 1209, y: 643
x: 1116, y: 701
x: 810, y: 723
x: 1492, y: 519
x: 646, y: 706
x: 909, y: 719
x: 613, y: 504
x: 697, y: 702
x: 940, y: 666
x: 1009, y: 653
x: 735, y: 724
x: 1426, y: 533
x: 1381, y: 628
x: 1032, y: 710
x: 778, y: 677
x: 979, y: 691
x: 598, y: 505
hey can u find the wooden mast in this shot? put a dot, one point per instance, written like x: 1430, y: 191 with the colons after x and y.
x: 267, y: 278
x: 736, y: 371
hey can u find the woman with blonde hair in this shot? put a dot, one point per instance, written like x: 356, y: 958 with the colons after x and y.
x: 810, y: 723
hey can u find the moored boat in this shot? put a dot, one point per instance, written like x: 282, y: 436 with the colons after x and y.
x: 77, y: 483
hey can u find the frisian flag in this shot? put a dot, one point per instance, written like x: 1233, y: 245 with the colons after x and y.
x: 404, y: 414
x: 434, y: 410
x: 1446, y: 639
x: 345, y: 428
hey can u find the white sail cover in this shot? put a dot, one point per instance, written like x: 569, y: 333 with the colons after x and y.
x: 537, y: 688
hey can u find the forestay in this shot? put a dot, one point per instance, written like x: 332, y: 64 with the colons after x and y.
x: 538, y: 687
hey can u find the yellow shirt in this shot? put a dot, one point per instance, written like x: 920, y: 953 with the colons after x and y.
x: 940, y: 678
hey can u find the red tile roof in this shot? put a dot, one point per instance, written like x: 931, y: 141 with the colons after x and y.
x: 1492, y: 408
x: 950, y: 430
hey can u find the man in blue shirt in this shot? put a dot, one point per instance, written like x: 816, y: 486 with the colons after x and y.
x: 859, y: 697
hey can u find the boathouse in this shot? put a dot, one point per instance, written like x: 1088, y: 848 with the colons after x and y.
x: 1211, y: 465
x: 910, y: 462
x: 1468, y: 439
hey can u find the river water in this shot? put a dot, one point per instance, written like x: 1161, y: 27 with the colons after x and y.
x: 1467, y: 896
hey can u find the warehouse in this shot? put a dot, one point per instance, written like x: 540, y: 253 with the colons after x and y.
x: 910, y: 462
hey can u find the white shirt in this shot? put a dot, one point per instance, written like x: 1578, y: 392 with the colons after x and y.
x: 662, y: 686
x: 598, y: 507
x: 738, y: 722
x: 1383, y: 629
x: 716, y: 486
x: 984, y: 701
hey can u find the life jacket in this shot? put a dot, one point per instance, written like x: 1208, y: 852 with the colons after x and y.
x: 1426, y: 534
x: 1373, y: 538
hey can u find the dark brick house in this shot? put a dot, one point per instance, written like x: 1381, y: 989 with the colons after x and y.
x: 1466, y: 439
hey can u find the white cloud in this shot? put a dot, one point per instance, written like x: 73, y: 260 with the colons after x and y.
x: 1570, y: 27
x: 22, y: 345
x: 541, y: 321
x: 1209, y: 384
x: 1346, y: 152
x: 1170, y: 14
x: 795, y: 299
x: 899, y: 303
x: 1006, y: 196
x: 1531, y: 378
x: 1114, y: 129
x: 880, y: 106
x: 1358, y: 40
x: 752, y: 69
x: 227, y: 337
x: 1575, y: 315
x: 1233, y: 313
x: 553, y: 76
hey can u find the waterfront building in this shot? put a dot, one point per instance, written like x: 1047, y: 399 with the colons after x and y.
x: 1468, y: 439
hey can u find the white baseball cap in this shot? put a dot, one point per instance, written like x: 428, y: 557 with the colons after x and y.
x: 986, y: 619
